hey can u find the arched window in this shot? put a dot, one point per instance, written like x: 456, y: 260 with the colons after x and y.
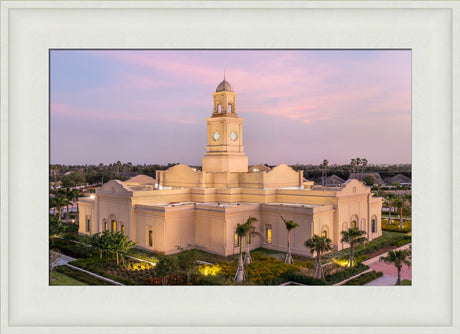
x: 114, y: 225
x: 219, y: 108
x: 248, y: 239
x: 230, y: 107
x: 106, y: 226
x: 324, y: 233
x: 123, y: 229
x: 236, y: 240
x: 353, y: 224
x: 374, y: 224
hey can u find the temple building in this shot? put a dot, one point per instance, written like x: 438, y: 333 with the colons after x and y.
x: 184, y: 206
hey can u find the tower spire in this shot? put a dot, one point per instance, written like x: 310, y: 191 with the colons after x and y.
x: 224, y: 73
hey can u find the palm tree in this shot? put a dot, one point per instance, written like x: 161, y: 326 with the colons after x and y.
x: 324, y: 171
x: 388, y: 203
x: 67, y: 193
x: 241, y: 231
x: 353, y: 236
x: 363, y: 165
x: 290, y: 225
x: 251, y: 232
x: 398, y: 258
x: 400, y: 204
x: 75, y: 194
x: 319, y: 245
x: 353, y: 165
x: 59, y: 203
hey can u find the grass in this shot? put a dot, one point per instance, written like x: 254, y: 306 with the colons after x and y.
x: 62, y: 279
x: 143, y: 254
x: 81, y: 276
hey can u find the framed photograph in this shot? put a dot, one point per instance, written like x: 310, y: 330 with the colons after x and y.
x: 29, y: 33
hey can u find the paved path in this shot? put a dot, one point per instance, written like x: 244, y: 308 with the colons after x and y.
x: 384, y: 280
x: 390, y: 273
x: 63, y: 259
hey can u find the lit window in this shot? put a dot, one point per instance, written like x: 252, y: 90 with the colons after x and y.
x: 114, y: 225
x: 150, y: 238
x: 373, y: 225
x: 106, y: 226
x: 268, y: 234
x: 123, y: 229
x: 88, y: 224
x: 236, y: 241
x: 324, y: 234
x: 353, y: 224
x: 248, y: 239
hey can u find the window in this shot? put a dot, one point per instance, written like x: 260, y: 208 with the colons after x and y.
x: 123, y: 229
x: 268, y: 234
x: 248, y: 239
x: 353, y: 224
x: 373, y: 225
x: 106, y: 226
x: 114, y: 225
x: 219, y: 108
x: 236, y: 240
x: 88, y: 224
x: 150, y: 238
x: 230, y: 108
x: 324, y: 234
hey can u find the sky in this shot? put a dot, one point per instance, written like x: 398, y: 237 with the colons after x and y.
x: 298, y: 106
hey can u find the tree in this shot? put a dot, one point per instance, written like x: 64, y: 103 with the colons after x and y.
x: 353, y: 236
x: 69, y: 194
x: 54, y: 256
x: 400, y: 205
x: 250, y: 233
x: 319, y: 245
x: 398, y: 258
x: 55, y: 227
x: 119, y: 244
x: 59, y: 203
x: 324, y: 171
x: 290, y: 225
x: 166, y: 266
x: 241, y: 231
x: 186, y: 260
x: 369, y: 180
x: 100, y: 241
x: 73, y: 179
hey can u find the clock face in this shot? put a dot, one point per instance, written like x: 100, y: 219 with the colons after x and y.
x: 216, y: 136
x: 233, y: 135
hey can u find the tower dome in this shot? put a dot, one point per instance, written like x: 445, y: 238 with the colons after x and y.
x: 224, y: 86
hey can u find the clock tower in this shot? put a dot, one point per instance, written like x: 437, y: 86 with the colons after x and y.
x: 225, y: 151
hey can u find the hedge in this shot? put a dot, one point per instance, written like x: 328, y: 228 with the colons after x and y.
x: 342, y: 275
x: 81, y: 276
x: 365, y: 278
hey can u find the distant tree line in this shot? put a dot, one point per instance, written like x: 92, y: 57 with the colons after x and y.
x: 74, y: 175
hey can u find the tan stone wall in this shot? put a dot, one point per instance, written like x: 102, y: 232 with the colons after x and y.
x: 86, y: 210
x: 283, y: 176
x: 150, y: 219
x: 270, y: 216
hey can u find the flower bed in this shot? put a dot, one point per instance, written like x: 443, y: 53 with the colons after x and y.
x: 129, y: 273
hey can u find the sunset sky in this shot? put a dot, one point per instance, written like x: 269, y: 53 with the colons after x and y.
x: 299, y: 106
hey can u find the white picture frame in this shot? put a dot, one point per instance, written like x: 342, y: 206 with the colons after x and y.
x: 30, y: 28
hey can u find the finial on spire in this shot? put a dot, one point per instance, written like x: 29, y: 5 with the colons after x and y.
x: 224, y: 73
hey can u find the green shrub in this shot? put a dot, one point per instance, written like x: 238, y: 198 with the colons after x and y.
x: 407, y: 227
x: 345, y: 273
x: 81, y: 276
x: 365, y: 278
x: 406, y: 282
x: 303, y: 279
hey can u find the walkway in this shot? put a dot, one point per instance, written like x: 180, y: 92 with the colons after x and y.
x: 390, y: 273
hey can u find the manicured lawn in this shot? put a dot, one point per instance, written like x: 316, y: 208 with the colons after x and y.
x: 62, y: 279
